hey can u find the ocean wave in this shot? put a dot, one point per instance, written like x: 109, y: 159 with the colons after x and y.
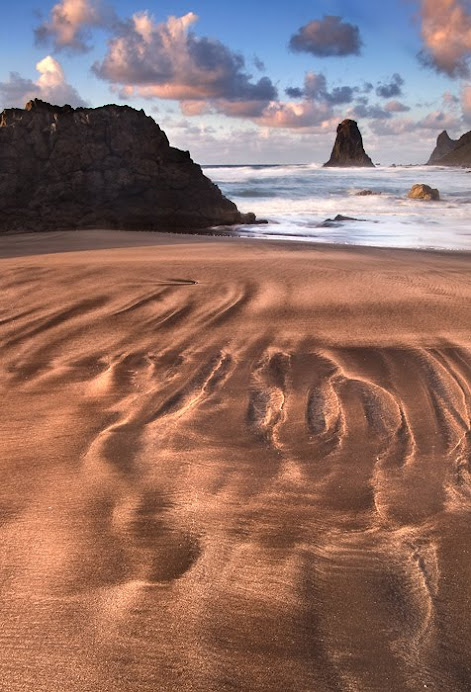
x: 297, y: 197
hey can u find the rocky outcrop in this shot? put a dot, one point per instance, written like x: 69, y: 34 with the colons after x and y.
x: 421, y: 191
x: 460, y: 155
x: 109, y: 167
x: 348, y: 148
x: 444, y: 145
x: 337, y: 221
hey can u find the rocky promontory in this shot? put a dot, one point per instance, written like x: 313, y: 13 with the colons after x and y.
x: 443, y: 147
x: 458, y: 155
x: 108, y: 167
x: 348, y: 148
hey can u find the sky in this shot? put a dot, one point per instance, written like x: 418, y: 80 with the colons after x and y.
x: 252, y: 81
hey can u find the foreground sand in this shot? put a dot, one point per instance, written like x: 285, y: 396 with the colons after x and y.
x: 233, y: 465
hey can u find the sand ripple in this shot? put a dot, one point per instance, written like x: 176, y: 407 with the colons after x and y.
x: 224, y: 470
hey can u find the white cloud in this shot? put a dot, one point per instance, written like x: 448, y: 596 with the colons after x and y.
x: 51, y: 86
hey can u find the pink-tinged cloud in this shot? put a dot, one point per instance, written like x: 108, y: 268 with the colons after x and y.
x: 327, y: 37
x: 70, y: 22
x: 240, y: 109
x: 307, y: 114
x: 439, y: 120
x: 167, y: 60
x: 433, y: 122
x: 450, y: 100
x: 396, y: 107
x: 192, y: 108
x: 51, y: 86
x: 466, y: 103
x: 446, y: 32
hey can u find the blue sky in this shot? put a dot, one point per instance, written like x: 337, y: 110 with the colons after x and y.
x: 252, y: 80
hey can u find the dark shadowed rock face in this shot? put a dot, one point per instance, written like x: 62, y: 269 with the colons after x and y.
x: 109, y: 167
x: 460, y: 155
x: 348, y: 148
x: 444, y: 145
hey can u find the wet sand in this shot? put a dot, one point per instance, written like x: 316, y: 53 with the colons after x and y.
x: 233, y: 465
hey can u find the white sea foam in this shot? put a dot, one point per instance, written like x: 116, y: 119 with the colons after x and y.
x: 296, y: 199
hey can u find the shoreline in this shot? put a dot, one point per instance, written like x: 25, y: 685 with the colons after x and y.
x: 99, y: 239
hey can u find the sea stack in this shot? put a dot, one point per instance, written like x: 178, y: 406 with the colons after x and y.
x: 348, y: 148
x: 459, y: 155
x: 444, y: 145
x: 108, y: 167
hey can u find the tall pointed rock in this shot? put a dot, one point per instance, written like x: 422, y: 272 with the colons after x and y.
x: 348, y: 148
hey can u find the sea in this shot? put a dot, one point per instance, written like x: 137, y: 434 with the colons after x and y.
x: 298, y: 200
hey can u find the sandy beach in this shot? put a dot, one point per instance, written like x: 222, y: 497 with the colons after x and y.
x: 233, y: 465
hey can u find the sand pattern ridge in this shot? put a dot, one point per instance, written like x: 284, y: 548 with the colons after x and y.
x: 228, y: 467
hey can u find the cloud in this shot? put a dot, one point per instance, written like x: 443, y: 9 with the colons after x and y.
x: 438, y: 120
x: 450, y: 101
x: 240, y: 109
x: 294, y: 92
x: 261, y: 144
x: 307, y: 114
x: 340, y: 95
x: 396, y: 107
x: 373, y: 112
x: 191, y: 108
x: 315, y: 88
x: 167, y: 60
x: 391, y: 88
x: 51, y: 86
x: 395, y: 127
x: 431, y: 123
x: 259, y: 64
x: 70, y: 22
x: 466, y: 103
x: 315, y: 111
x: 327, y: 37
x: 446, y: 32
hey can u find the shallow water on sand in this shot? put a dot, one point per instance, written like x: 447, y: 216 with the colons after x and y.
x: 295, y: 199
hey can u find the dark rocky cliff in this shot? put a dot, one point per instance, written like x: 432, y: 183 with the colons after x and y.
x: 348, y: 148
x: 109, y: 167
x: 460, y: 155
x: 444, y: 145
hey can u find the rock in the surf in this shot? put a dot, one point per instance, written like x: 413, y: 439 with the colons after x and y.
x: 421, y: 191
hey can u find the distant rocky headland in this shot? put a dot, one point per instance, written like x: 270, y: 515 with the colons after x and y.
x: 451, y: 152
x: 348, y: 147
x: 108, y: 167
